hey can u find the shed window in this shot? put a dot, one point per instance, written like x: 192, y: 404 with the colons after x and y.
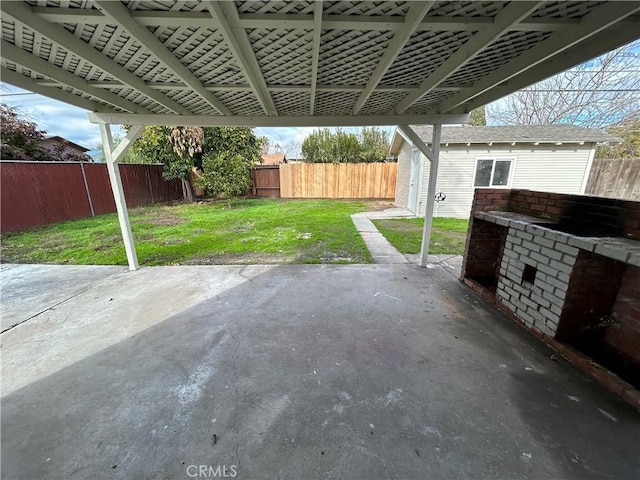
x: 491, y: 172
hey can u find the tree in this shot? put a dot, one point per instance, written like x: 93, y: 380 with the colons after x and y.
x: 478, y: 117
x: 20, y: 139
x: 229, y: 154
x: 130, y: 156
x: 595, y: 94
x: 629, y: 132
x: 155, y: 145
x: 182, y: 148
x: 375, y: 144
x: 226, y: 174
x: 324, y: 146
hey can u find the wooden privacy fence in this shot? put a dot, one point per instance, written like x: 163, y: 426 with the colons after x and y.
x: 265, y: 181
x: 38, y: 193
x: 616, y: 178
x: 338, y: 180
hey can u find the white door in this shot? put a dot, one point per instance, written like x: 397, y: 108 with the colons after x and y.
x: 414, y: 180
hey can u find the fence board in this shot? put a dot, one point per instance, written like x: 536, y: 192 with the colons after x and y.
x: 39, y: 193
x: 265, y: 181
x: 338, y: 180
x: 615, y: 178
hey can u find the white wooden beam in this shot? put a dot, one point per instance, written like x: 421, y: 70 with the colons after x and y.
x: 22, y: 13
x: 18, y: 56
x: 431, y: 195
x: 315, y: 53
x: 433, y: 155
x: 592, y: 24
x: 509, y: 16
x: 213, y: 87
x: 236, y: 37
x: 112, y: 155
x: 275, y: 121
x: 132, y: 135
x: 120, y: 16
x: 408, y: 133
x: 412, y: 20
x: 27, y: 83
x: 305, y: 21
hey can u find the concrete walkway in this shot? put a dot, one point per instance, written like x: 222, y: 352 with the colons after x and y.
x: 380, y: 248
x: 292, y: 371
x: 383, y: 252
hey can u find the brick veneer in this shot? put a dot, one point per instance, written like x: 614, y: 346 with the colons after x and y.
x: 559, y: 286
x: 624, y: 333
x: 603, y: 216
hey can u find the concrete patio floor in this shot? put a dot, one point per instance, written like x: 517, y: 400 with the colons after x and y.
x: 306, y: 371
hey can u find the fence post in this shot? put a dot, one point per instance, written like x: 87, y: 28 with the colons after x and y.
x: 86, y: 189
x: 146, y: 171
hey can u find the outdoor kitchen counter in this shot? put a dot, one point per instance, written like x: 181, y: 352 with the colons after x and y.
x: 625, y: 250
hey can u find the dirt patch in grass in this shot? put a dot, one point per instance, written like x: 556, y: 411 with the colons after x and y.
x: 165, y: 220
x: 249, y: 258
x: 378, y: 205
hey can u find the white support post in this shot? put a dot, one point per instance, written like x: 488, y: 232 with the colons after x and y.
x: 431, y: 195
x: 112, y: 156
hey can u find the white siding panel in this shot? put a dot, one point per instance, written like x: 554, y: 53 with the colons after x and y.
x: 553, y: 168
x: 404, y: 172
x: 548, y: 168
x: 559, y: 169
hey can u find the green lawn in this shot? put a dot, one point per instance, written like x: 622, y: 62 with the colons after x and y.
x: 448, y: 235
x: 253, y: 231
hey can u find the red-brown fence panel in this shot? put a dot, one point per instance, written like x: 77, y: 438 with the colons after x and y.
x: 100, y: 188
x: 39, y: 193
x: 136, y: 185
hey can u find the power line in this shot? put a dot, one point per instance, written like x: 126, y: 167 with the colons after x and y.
x: 15, y: 94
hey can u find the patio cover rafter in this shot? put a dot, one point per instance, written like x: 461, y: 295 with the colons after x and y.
x: 412, y: 20
x: 558, y: 63
x: 28, y: 83
x: 512, y: 14
x: 58, y: 35
x: 315, y: 53
x: 120, y: 15
x: 593, y: 23
x: 227, y: 15
x: 64, y: 77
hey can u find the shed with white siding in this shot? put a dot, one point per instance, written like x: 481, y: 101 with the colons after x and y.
x: 553, y: 158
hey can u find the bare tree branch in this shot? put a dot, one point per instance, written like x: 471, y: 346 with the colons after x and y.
x: 597, y: 93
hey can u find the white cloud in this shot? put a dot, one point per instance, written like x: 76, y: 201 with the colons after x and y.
x: 55, y: 117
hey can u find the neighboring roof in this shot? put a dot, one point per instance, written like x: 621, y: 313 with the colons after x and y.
x: 272, y: 159
x: 508, y: 134
x: 298, y: 63
x: 63, y: 140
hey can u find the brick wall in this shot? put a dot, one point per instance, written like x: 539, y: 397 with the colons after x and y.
x: 535, y: 273
x: 583, y: 214
x: 624, y: 333
x: 480, y: 254
x: 593, y: 288
x: 579, y: 213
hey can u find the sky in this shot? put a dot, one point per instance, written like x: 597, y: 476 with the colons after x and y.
x: 72, y: 123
